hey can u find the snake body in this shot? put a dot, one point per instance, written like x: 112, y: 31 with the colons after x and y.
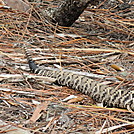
x: 108, y: 96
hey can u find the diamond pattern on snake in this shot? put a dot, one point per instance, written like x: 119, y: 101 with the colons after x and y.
x: 108, y: 96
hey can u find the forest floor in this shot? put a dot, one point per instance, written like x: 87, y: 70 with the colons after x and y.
x: 100, y: 43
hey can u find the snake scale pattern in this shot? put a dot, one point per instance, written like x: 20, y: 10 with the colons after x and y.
x: 108, y: 96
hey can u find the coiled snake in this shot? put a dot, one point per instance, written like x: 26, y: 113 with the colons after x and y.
x: 108, y: 96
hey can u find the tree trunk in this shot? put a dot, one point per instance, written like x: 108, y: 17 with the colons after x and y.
x: 68, y: 12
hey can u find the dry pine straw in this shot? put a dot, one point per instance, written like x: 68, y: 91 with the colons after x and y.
x: 20, y: 96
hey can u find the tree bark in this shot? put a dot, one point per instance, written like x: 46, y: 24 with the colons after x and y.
x: 68, y: 12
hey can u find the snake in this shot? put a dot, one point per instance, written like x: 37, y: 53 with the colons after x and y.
x: 101, y: 93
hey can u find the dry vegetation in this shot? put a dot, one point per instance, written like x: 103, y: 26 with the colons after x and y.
x: 100, y: 42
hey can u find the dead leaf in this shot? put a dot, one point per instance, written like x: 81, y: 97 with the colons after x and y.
x: 37, y: 113
x: 117, y: 67
x: 120, y: 78
x: 78, y: 99
x: 98, y: 71
x: 17, y: 4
